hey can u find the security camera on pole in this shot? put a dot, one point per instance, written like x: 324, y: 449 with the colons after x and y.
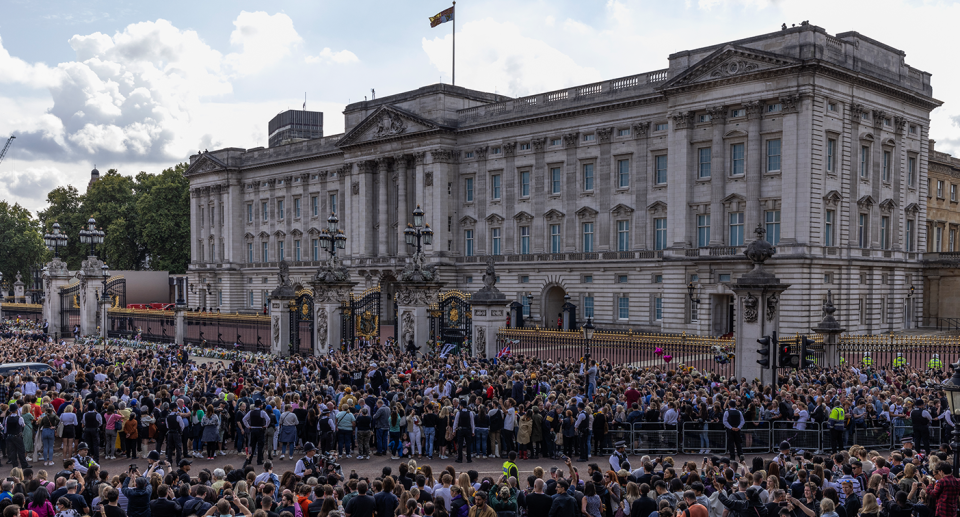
x: 758, y: 315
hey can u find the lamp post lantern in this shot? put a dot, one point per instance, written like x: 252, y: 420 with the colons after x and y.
x: 332, y: 237
x: 952, y: 387
x: 91, y: 235
x: 54, y: 240
x: 418, y: 235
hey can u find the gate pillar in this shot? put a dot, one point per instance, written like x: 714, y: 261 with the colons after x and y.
x: 328, y: 325
x: 758, y: 299
x: 91, y: 280
x: 281, y: 302
x: 830, y: 329
x: 55, y: 276
x: 489, y: 307
x: 179, y: 325
x: 413, y: 301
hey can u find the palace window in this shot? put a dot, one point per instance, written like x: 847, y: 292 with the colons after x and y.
x: 468, y: 186
x: 772, y: 219
x: 623, y: 235
x: 736, y: 229
x: 623, y: 173
x: 705, y: 155
x: 737, y: 161
x: 555, y: 180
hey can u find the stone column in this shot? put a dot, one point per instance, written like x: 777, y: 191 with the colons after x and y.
x: 489, y: 310
x: 19, y: 295
x: 758, y: 297
x: 180, y: 324
x: 403, y: 212
x: 606, y: 181
x: 383, y: 222
x: 540, y: 191
x: 718, y: 175
x: 678, y: 180
x: 641, y: 183
x: 413, y: 301
x: 91, y: 279
x: 830, y: 329
x: 282, y: 300
x: 753, y: 216
x: 55, y: 276
x: 571, y: 191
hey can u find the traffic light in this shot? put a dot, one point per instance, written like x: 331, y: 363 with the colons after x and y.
x: 785, y: 358
x: 806, y: 356
x: 764, y: 352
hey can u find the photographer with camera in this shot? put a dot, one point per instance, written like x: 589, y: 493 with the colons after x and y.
x: 138, y: 498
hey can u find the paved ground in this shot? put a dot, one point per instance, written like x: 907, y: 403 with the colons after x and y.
x: 370, y: 468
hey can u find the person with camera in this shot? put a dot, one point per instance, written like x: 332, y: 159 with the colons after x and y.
x: 138, y: 498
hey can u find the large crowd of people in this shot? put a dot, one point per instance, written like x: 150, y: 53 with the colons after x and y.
x: 153, y: 402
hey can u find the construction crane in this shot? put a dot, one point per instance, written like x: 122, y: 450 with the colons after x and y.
x: 4, y: 151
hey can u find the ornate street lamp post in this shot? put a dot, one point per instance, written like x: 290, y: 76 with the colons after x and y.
x: 952, y: 387
x: 332, y: 237
x: 54, y: 240
x: 91, y: 235
x: 418, y: 235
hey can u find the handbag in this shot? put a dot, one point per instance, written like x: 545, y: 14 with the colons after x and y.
x: 449, y: 436
x: 60, y: 430
x: 559, y: 439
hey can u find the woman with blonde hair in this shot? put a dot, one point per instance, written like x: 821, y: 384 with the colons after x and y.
x: 466, y: 488
x: 870, y: 507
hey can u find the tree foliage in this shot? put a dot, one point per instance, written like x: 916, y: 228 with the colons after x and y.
x: 20, y: 241
x: 146, y: 220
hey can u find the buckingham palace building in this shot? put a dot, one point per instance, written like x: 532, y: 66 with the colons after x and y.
x: 633, y: 196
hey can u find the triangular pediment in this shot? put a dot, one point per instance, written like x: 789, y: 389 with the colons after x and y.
x: 523, y: 217
x: 553, y: 215
x: 586, y: 211
x: 729, y: 61
x: 468, y: 222
x: 385, y: 123
x: 206, y: 162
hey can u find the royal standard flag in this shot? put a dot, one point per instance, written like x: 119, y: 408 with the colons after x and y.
x: 444, y: 16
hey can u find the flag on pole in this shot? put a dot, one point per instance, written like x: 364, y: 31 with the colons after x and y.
x: 443, y: 16
x: 504, y: 351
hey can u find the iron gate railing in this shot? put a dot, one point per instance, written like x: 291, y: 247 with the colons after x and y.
x: 32, y: 312
x: 712, y: 354
x: 70, y: 309
x: 247, y: 333
x: 360, y: 317
x: 301, y: 324
x: 451, y: 320
x: 150, y: 325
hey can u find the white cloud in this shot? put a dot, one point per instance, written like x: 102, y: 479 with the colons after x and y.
x: 499, y: 56
x: 328, y: 56
x: 19, y: 71
x: 550, y: 21
x: 576, y: 27
x: 265, y: 40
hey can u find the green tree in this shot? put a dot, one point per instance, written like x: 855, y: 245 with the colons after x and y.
x: 111, y: 201
x: 20, y: 240
x: 63, y: 206
x: 163, y: 218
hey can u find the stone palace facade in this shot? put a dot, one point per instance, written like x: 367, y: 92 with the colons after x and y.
x: 618, y: 194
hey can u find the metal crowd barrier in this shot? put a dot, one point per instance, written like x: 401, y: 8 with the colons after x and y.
x: 758, y: 437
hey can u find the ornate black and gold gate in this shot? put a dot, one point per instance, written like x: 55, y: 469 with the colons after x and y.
x: 70, y: 309
x: 301, y: 324
x: 450, y: 321
x: 117, y: 291
x: 360, y: 317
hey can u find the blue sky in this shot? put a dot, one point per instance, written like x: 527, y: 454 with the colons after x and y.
x: 139, y: 86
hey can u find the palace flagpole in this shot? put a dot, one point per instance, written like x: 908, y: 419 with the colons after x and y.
x: 453, y: 77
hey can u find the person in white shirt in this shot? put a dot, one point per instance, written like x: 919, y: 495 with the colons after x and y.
x: 802, y: 418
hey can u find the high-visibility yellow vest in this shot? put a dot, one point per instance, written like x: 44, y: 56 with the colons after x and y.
x: 867, y: 361
x: 837, y: 413
x: 508, y: 466
x: 899, y: 362
x: 935, y: 364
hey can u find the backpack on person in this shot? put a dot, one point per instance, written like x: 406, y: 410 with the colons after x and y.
x: 496, y: 421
